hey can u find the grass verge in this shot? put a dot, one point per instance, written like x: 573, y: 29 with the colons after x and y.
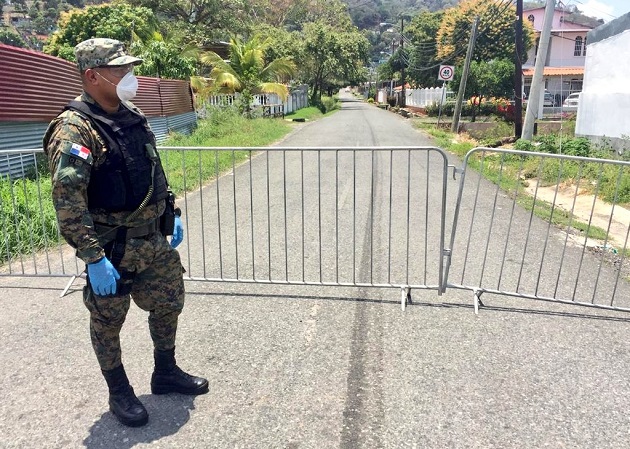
x: 27, y: 215
x: 510, y: 173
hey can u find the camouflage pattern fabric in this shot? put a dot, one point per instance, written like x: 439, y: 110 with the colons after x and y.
x: 71, y: 176
x: 150, y: 270
x: 101, y: 52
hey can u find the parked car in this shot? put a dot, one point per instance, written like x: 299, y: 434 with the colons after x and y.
x: 549, y: 101
x: 571, y: 103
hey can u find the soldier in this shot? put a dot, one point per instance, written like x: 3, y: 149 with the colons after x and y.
x: 114, y: 207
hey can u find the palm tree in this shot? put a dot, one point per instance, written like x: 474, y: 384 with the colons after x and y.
x: 246, y: 72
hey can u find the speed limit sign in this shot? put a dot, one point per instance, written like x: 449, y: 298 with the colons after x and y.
x: 446, y: 73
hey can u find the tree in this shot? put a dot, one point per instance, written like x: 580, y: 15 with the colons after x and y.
x: 8, y: 37
x: 487, y: 80
x: 117, y: 21
x: 496, y: 35
x: 164, y: 58
x: 423, y: 61
x: 246, y: 71
x: 200, y: 21
x: 332, y: 57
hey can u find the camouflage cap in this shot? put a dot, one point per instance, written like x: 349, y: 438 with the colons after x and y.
x: 102, y: 51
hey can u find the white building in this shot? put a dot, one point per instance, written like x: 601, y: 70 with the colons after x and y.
x: 564, y: 67
x: 605, y: 100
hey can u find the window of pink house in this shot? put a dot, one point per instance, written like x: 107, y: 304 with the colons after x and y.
x: 578, y: 47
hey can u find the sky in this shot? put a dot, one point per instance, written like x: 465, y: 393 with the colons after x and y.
x: 602, y: 9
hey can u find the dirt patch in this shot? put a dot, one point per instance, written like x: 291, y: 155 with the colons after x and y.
x: 586, y: 208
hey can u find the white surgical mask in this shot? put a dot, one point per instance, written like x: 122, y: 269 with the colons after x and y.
x: 126, y: 88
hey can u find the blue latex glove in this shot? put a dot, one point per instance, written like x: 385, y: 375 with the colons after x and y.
x: 103, y: 277
x: 178, y: 232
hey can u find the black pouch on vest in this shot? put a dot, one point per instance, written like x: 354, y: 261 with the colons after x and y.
x: 167, y: 220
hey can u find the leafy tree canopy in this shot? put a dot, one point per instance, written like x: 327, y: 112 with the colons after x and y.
x: 423, y: 61
x: 332, y: 58
x: 164, y: 58
x: 117, y: 21
x: 487, y: 79
x: 496, y: 32
x: 8, y: 37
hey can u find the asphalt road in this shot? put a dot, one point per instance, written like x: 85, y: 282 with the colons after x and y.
x: 326, y: 367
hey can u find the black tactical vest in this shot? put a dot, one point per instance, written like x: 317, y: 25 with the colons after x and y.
x: 122, y: 181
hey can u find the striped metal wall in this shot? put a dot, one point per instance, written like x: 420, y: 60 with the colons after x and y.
x: 34, y: 88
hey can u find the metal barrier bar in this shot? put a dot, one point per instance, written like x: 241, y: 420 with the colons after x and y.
x: 318, y: 216
x: 346, y: 216
x: 547, y: 227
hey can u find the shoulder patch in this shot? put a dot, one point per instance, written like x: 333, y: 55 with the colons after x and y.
x: 80, y: 151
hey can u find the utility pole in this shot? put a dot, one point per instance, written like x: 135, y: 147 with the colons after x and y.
x: 462, y: 83
x: 403, y: 98
x: 533, y: 103
x: 518, y: 72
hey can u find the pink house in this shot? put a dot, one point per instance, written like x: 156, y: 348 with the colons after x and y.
x: 564, y: 67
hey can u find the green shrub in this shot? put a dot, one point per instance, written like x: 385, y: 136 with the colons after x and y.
x: 524, y: 145
x: 448, y: 109
x: 578, y: 146
x: 328, y: 104
x: 27, y: 216
x: 547, y: 144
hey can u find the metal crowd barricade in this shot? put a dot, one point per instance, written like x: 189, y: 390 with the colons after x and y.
x: 30, y: 244
x: 549, y: 227
x: 354, y: 216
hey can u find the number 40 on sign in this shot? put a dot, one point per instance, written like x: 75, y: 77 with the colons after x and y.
x: 446, y: 73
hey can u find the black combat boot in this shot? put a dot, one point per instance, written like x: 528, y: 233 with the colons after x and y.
x: 123, y: 403
x: 169, y: 378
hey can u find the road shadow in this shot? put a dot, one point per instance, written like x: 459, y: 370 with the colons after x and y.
x: 167, y: 415
x: 601, y: 314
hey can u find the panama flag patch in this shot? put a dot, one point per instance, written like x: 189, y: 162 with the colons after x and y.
x: 79, y: 151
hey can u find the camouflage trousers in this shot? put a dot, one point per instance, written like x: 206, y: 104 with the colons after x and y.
x: 151, y: 274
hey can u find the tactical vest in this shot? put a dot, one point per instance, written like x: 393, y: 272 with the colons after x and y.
x: 122, y: 181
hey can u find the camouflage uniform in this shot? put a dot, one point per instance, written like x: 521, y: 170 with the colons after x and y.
x: 150, y: 270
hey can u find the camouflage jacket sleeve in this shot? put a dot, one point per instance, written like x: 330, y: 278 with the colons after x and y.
x: 72, y: 147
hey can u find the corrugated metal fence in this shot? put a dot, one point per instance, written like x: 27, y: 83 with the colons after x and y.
x: 35, y: 87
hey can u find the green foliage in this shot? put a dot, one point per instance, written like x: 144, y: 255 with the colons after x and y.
x: 423, y: 29
x: 247, y: 73
x: 496, y: 38
x: 448, y: 109
x: 488, y: 79
x: 327, y: 104
x: 224, y: 127
x: 164, y: 59
x: 577, y: 147
x: 117, y: 21
x: 331, y: 57
x: 27, y: 226
x: 308, y: 113
x: 200, y: 22
x: 8, y: 37
x: 524, y: 145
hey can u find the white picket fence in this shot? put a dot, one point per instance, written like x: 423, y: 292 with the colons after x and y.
x: 420, y: 98
x: 270, y: 103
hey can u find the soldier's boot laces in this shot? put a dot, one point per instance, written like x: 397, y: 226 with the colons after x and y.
x: 123, y: 402
x: 170, y: 378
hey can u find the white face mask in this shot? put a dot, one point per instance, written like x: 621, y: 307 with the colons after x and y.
x: 126, y: 88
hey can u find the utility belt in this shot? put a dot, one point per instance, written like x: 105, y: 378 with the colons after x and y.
x: 111, y: 232
x: 114, y: 239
